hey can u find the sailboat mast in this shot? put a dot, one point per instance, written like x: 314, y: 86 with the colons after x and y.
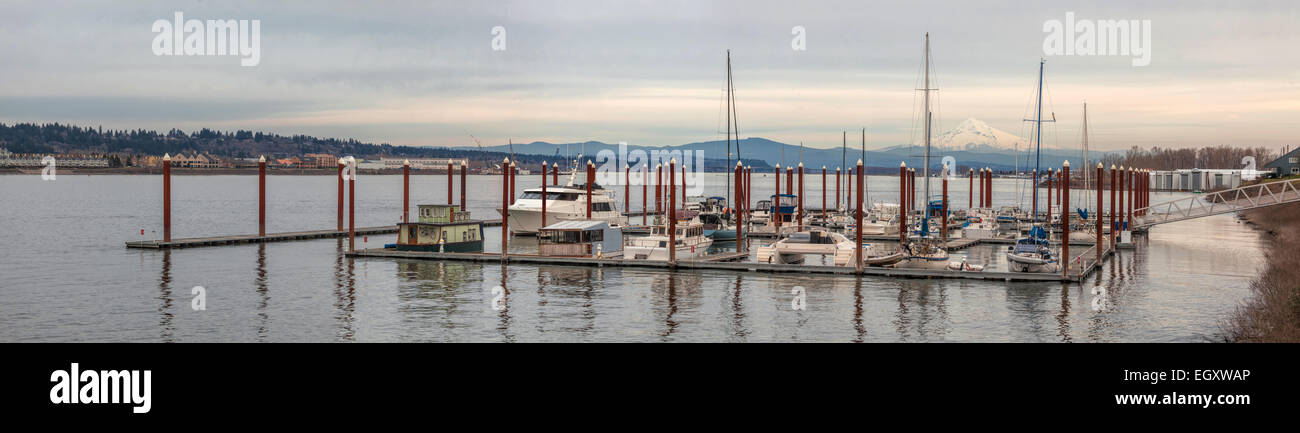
x: 925, y: 170
x: 1038, y: 137
x: 728, y: 172
x: 1085, y: 154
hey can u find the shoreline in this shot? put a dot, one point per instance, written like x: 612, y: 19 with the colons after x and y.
x: 1272, y: 312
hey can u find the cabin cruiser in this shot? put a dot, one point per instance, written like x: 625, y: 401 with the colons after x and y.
x: 690, y: 242
x: 881, y: 220
x: 978, y: 227
x: 786, y: 211
x: 563, y: 203
x: 1007, y: 217
x: 794, y: 247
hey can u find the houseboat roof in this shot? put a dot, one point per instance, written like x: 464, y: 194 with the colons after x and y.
x: 578, y: 225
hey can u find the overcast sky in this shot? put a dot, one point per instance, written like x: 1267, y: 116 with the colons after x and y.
x: 652, y: 73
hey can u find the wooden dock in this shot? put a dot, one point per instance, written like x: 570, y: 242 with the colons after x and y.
x: 270, y: 237
x: 725, y: 261
x: 246, y: 239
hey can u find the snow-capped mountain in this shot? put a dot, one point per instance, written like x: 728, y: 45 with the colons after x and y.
x: 973, y: 134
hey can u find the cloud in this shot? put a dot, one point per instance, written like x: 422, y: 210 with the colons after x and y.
x: 652, y: 72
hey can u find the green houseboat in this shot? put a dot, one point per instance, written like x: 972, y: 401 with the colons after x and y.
x: 441, y: 227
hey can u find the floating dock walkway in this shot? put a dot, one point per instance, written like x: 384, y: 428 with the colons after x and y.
x: 248, y: 239
x: 725, y: 261
x: 270, y: 237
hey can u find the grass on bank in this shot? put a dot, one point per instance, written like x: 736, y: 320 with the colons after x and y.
x: 1272, y: 313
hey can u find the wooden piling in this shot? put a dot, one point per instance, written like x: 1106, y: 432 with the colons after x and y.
x: 505, y: 207
x: 775, y: 213
x: 659, y: 187
x: 736, y: 208
x: 1048, y: 221
x: 463, y: 167
x: 167, y: 198
x: 837, y: 189
x: 857, y: 215
x: 352, y: 204
x: 645, y: 185
x: 1098, y: 212
x: 970, y: 174
x: 544, y: 196
x: 340, y: 179
x: 627, y: 190
x: 1132, y: 186
x: 943, y: 219
x: 672, y: 211
x: 590, y: 172
x: 1065, y: 219
x: 902, y: 202
x: 1122, y: 175
x: 261, y: 196
x: 1114, y: 229
x: 406, y: 190
x: 800, y: 198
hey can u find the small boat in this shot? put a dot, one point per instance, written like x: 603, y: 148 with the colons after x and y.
x: 924, y: 254
x: 875, y: 255
x: 441, y: 228
x: 716, y: 217
x: 690, y: 243
x: 979, y: 228
x: 785, y: 212
x: 792, y: 248
x: 1032, y: 254
x: 963, y: 266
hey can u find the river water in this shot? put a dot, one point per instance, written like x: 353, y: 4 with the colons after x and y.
x: 65, y: 275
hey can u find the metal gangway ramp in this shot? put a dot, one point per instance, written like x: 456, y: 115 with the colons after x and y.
x: 1231, y: 200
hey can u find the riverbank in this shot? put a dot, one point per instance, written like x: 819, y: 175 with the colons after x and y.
x: 1272, y: 314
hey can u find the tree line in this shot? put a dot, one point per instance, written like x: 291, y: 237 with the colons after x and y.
x: 1221, y: 156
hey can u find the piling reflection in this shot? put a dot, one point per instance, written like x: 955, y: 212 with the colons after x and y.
x: 858, y: 328
x: 1063, y: 317
x: 504, y: 313
x: 263, y: 293
x: 345, y: 296
x: 165, y: 326
x: 738, y: 329
x: 922, y: 309
x: 673, y: 292
x: 570, y: 282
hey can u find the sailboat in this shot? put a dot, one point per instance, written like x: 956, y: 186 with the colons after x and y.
x: 1032, y: 252
x: 926, y: 252
x: 722, y: 225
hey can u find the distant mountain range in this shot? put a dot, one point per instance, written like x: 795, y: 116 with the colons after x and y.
x: 972, y: 143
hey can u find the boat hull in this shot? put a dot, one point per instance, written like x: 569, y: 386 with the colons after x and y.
x: 1021, y: 263
x: 454, y: 247
x: 528, y: 221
